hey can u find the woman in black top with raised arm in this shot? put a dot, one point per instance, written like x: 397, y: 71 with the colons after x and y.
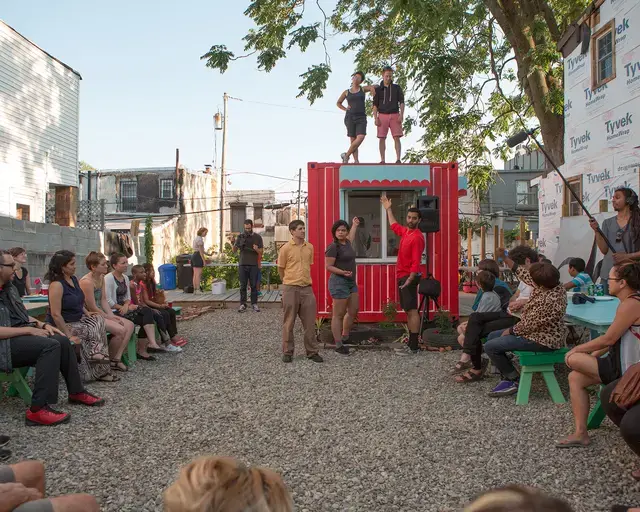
x: 355, y: 118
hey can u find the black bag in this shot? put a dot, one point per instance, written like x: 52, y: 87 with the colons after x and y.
x: 430, y: 287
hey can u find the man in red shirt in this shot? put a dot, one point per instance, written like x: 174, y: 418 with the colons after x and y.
x: 412, y: 246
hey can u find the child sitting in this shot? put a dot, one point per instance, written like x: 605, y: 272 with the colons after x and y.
x: 581, y: 280
x: 500, y: 287
x: 138, y: 294
x: 541, y: 327
x: 490, y: 301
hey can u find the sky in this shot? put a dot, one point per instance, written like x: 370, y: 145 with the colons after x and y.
x: 145, y: 91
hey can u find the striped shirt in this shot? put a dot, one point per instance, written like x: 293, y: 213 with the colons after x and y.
x: 582, y: 281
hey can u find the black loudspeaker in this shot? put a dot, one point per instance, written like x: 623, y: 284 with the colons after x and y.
x: 429, y: 207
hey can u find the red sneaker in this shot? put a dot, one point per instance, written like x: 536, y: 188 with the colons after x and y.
x: 86, y: 398
x: 180, y: 343
x: 46, y: 416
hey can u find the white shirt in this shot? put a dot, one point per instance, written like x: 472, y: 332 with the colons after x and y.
x: 525, y: 291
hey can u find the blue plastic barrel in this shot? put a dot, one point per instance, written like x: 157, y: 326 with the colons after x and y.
x: 168, y: 276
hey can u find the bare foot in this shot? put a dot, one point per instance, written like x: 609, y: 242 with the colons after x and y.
x: 636, y: 475
x: 574, y: 441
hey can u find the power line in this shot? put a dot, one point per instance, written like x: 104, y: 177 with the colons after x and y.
x: 261, y: 174
x: 287, y: 106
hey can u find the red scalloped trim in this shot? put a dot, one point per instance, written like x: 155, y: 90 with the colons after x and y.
x: 384, y: 183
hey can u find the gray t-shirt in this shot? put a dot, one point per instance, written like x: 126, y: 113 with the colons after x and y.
x: 345, y: 256
x: 489, y: 303
x: 248, y: 256
x: 621, y: 240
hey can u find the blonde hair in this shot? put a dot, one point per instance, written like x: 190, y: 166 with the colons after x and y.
x: 222, y: 484
x: 517, y: 498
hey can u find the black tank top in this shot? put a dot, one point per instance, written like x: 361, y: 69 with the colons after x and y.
x: 356, y: 102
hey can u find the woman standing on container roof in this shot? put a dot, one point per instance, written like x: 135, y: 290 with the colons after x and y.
x: 355, y: 118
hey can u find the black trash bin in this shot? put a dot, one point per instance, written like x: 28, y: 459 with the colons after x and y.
x: 185, y: 274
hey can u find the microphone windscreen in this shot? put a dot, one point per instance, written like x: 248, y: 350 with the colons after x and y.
x: 516, y: 139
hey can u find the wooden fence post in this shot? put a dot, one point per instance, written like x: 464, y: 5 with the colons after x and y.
x: 522, y: 232
x: 496, y: 240
x: 469, y: 239
x: 483, y: 248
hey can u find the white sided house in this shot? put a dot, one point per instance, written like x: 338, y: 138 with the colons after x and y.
x: 39, y: 109
x: 602, y: 124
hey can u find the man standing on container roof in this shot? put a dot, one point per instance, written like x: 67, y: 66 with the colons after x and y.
x: 412, y: 246
x: 388, y: 112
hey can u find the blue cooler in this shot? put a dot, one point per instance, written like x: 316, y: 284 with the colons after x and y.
x: 168, y: 276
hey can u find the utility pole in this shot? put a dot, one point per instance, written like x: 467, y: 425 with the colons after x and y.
x: 299, y: 190
x: 223, y: 168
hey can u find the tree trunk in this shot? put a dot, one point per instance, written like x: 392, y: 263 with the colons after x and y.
x: 535, y: 82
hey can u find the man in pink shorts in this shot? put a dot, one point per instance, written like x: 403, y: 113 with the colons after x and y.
x: 388, y: 112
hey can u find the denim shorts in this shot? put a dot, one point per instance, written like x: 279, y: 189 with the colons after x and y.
x: 341, y: 287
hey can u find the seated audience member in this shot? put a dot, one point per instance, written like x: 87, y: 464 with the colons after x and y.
x: 24, y: 342
x: 138, y: 292
x: 517, y: 498
x: 67, y: 312
x: 223, y: 484
x: 481, y: 325
x: 500, y: 287
x: 620, y: 343
x: 541, y: 327
x: 153, y: 299
x: 22, y: 489
x: 20, y: 272
x: 95, y: 296
x: 580, y: 279
x: 489, y: 302
x: 119, y: 298
x: 627, y: 418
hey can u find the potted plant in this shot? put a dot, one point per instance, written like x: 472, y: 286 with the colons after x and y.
x: 444, y: 334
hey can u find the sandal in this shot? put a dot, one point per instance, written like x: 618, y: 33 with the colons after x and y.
x: 468, y: 377
x: 461, y: 367
x: 98, y: 360
x: 156, y: 350
x: 109, y: 377
x: 118, y: 366
x: 145, y: 358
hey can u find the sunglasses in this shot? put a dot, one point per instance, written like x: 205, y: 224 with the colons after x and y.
x: 619, y: 235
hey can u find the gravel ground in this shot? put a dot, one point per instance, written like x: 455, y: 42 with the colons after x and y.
x: 369, y: 432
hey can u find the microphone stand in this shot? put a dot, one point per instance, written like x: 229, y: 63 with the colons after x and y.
x: 566, y: 183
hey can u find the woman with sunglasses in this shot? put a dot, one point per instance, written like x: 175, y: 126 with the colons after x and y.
x: 621, y: 344
x: 622, y: 231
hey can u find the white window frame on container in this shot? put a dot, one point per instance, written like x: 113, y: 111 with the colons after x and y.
x: 163, y: 182
x: 384, y: 222
x: 603, y: 50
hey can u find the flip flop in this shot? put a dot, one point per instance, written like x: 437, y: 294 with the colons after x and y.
x: 114, y: 378
x: 155, y: 350
x: 571, y: 444
x: 148, y: 358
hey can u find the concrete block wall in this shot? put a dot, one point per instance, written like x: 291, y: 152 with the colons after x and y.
x: 42, y: 240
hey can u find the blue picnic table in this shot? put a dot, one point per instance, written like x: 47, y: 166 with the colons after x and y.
x: 597, y: 317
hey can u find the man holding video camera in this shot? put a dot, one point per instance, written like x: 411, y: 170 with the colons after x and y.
x: 250, y: 246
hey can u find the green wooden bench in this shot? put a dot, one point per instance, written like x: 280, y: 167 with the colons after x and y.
x: 130, y: 354
x: 540, y: 362
x: 18, y: 384
x: 597, y: 414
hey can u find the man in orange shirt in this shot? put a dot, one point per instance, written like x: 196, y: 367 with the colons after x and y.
x: 294, y: 266
x: 412, y: 246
